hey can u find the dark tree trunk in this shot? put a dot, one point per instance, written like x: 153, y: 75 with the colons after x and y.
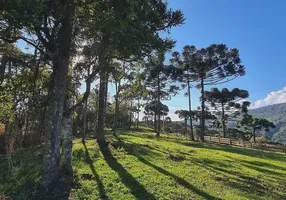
x: 253, y: 134
x: 53, y: 125
x: 155, y: 122
x: 84, y: 114
x: 190, y: 110
x: 66, y: 154
x: 223, y: 120
x: 186, y: 126
x: 3, y: 67
x: 202, y: 132
x: 84, y: 122
x: 54, y: 115
x: 158, y: 107
x: 101, y: 110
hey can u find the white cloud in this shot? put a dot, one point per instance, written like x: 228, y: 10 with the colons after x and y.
x: 272, y: 98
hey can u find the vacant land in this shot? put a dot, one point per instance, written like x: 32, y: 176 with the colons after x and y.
x: 136, y: 165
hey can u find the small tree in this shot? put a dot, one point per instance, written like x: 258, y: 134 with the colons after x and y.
x: 224, y: 101
x: 209, y: 66
x: 184, y: 114
x: 256, y: 124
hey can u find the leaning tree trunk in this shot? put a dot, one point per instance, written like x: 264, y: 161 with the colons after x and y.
x: 202, y: 132
x: 223, y: 121
x: 54, y: 115
x: 101, y: 110
x: 190, y: 110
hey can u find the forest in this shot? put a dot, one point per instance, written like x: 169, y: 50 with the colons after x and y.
x: 77, y: 75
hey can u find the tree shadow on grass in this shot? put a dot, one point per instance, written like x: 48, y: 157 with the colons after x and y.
x: 264, y: 164
x: 136, y: 189
x: 179, y: 180
x: 237, y: 150
x: 252, y: 187
x: 98, y: 181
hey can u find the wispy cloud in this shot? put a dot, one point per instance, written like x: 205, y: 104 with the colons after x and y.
x: 274, y: 97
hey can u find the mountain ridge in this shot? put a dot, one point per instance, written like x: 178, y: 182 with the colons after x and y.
x: 275, y: 113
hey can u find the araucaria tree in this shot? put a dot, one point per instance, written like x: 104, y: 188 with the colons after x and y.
x: 185, y: 77
x: 159, y: 85
x: 256, y: 124
x: 225, y: 102
x: 210, y: 66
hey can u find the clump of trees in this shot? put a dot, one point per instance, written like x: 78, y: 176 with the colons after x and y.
x: 213, y: 65
x: 72, y: 42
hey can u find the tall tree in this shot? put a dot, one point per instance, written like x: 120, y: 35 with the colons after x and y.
x: 159, y: 84
x: 224, y: 101
x: 210, y: 66
x: 126, y: 31
x: 51, y: 23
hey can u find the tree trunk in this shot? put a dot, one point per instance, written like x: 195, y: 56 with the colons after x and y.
x: 116, y: 111
x: 56, y: 103
x: 53, y: 126
x: 84, y: 122
x: 101, y: 110
x: 163, y: 121
x: 190, y: 110
x: 155, y: 122
x: 66, y: 154
x: 138, y: 112
x: 3, y: 67
x: 186, y: 126
x: 131, y: 113
x: 202, y: 132
x: 158, y: 108
x: 253, y: 134
x: 84, y: 113
x: 223, y: 120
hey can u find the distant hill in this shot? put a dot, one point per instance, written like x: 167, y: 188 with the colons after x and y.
x: 277, y: 114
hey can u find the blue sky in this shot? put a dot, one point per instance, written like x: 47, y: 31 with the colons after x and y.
x: 256, y: 27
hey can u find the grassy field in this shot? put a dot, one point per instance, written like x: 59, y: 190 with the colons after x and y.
x: 139, y: 166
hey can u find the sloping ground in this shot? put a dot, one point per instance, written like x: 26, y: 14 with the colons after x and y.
x: 138, y: 166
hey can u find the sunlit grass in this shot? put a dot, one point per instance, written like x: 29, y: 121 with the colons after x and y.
x: 137, y: 165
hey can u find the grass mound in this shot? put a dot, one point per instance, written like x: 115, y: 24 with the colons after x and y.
x: 137, y: 165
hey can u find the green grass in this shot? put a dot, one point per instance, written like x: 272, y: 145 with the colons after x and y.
x: 139, y: 166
